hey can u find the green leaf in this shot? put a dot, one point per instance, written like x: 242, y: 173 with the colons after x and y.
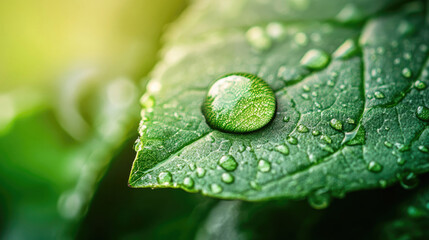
x: 343, y: 123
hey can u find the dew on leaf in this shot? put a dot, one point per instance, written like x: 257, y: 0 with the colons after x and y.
x: 326, y: 148
x: 315, y: 59
x: 346, y: 50
x: 419, y: 85
x: 378, y: 95
x: 275, y: 30
x: 258, y: 38
x: 216, y: 188
x: 305, y: 96
x: 201, y: 172
x: 286, y: 119
x: 227, y: 178
x: 165, y: 178
x: 405, y: 28
x: 423, y: 149
x: 147, y: 101
x: 302, y: 128
x: 350, y: 121
x: 422, y: 113
x: 326, y: 138
x: 255, y: 185
x: 315, y: 132
x: 239, y: 103
x: 415, y: 212
x: 137, y: 145
x: 282, y: 149
x: 400, y: 161
x: 408, y: 180
x: 355, y: 137
x: 228, y: 163
x: 264, y: 166
x: 292, y: 140
x: 406, y: 72
x: 349, y: 14
x: 388, y: 144
x: 319, y: 199
x: 374, y: 166
x: 301, y: 39
x: 305, y: 88
x: 188, y: 182
x: 382, y: 183
x: 192, y: 166
x: 336, y: 124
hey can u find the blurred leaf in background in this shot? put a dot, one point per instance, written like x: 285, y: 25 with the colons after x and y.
x: 69, y: 88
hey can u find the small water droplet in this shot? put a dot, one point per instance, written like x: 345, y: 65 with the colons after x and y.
x: 400, y: 161
x: 408, y: 180
x: 422, y: 113
x: 165, y: 178
x: 405, y: 28
x: 350, y: 121
x: 258, y: 38
x: 301, y: 39
x: 286, y: 119
x: 355, y: 137
x: 227, y: 178
x: 326, y: 138
x: 305, y: 96
x: 315, y: 132
x: 239, y: 103
x: 423, y: 149
x: 201, y: 172
x: 326, y: 148
x: 137, y: 145
x: 282, y: 149
x: 319, y: 199
x: 188, y: 182
x: 419, y: 85
x: 415, y: 212
x: 216, y: 188
x: 275, y: 30
x: 315, y: 59
x: 302, y: 128
x: 228, y: 163
x: 382, y: 183
x: 192, y: 166
x: 147, y: 101
x: 406, y: 72
x: 336, y: 124
x: 388, y: 144
x: 264, y: 166
x: 346, y: 50
x: 349, y: 14
x: 374, y: 166
x: 305, y: 88
x: 292, y: 140
x: 378, y: 95
x: 255, y: 185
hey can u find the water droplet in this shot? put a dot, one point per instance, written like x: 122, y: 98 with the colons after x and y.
x: 188, y: 182
x: 388, y: 144
x: 255, y: 185
x: 319, y: 200
x: 326, y: 138
x: 137, y: 145
x: 378, y: 95
x: 382, y: 183
x: 227, y: 178
x: 355, y: 137
x: 374, y: 166
x: 422, y: 113
x: 216, y: 188
x: 147, y: 101
x: 286, y: 119
x: 192, y: 166
x: 336, y: 124
x: 305, y: 96
x: 228, y: 163
x: 400, y: 161
x: 315, y: 133
x: 415, y: 212
x: 282, y: 149
x: 275, y: 30
x: 350, y: 121
x: 346, y: 50
x: 264, y: 166
x: 301, y: 39
x: 423, y: 149
x: 406, y: 28
x: 165, y: 178
x: 305, y: 88
x: 326, y: 148
x: 201, y: 172
x: 419, y: 85
x: 408, y: 180
x: 302, y: 128
x: 315, y: 59
x: 349, y: 14
x: 239, y: 103
x: 406, y: 72
x: 292, y: 140
x: 258, y: 38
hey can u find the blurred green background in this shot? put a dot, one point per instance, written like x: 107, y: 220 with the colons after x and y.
x: 71, y: 73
